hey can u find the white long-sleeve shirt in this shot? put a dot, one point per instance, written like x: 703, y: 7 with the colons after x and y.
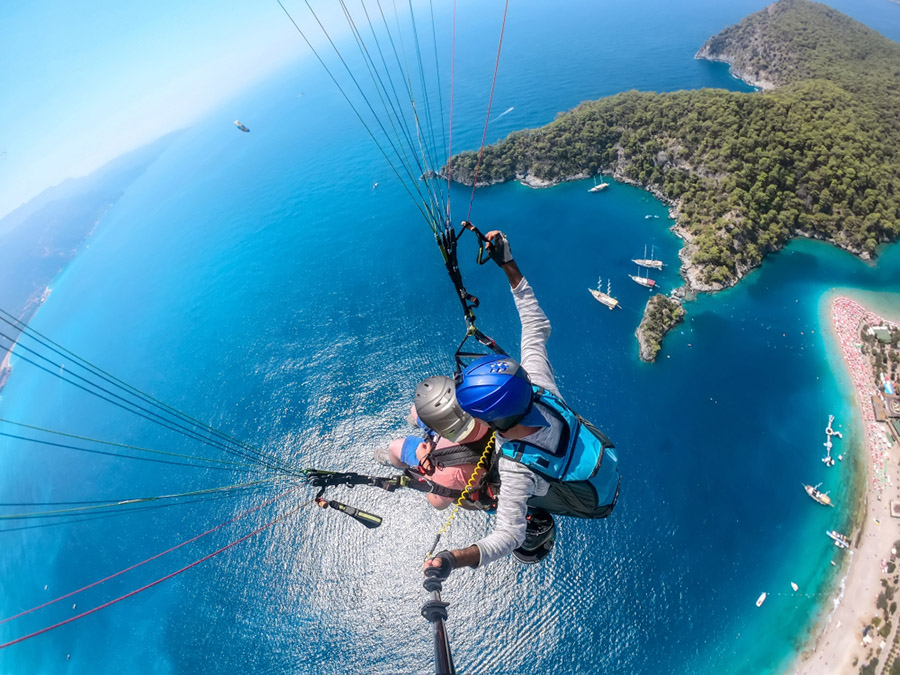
x: 518, y: 483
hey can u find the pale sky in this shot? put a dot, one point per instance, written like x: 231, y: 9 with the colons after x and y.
x: 83, y: 82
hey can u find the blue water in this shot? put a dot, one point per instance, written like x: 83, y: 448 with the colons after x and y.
x: 260, y: 283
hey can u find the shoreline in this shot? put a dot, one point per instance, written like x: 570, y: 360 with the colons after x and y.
x: 5, y: 367
x: 691, y: 272
x: 836, y: 643
x: 31, y: 308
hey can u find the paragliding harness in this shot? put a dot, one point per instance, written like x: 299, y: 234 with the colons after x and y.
x: 482, y: 497
x: 479, y: 453
x: 583, y: 457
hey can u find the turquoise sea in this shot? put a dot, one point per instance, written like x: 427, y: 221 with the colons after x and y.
x: 258, y: 282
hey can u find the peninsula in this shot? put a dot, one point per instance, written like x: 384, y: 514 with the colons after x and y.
x: 814, y: 154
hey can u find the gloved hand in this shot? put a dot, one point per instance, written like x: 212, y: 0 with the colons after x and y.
x: 499, y: 248
x: 447, y: 562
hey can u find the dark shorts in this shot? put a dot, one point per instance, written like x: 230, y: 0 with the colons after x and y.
x: 578, y: 500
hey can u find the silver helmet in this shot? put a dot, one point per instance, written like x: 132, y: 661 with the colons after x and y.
x: 438, y: 409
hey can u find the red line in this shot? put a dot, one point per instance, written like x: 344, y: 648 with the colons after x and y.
x: 488, y: 117
x: 151, y: 584
x: 143, y: 562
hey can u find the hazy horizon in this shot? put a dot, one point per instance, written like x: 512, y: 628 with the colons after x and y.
x: 89, y: 85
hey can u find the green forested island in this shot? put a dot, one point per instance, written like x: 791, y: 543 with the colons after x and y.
x: 661, y: 315
x: 816, y: 153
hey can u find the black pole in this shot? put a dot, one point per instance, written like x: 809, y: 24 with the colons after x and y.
x: 435, y: 610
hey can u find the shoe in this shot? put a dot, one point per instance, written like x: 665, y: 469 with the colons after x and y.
x: 540, y: 536
x: 383, y: 457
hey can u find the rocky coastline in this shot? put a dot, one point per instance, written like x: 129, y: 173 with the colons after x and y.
x: 743, y: 174
x: 693, y: 274
x: 755, y: 80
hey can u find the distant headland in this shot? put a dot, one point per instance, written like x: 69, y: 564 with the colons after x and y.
x: 40, y: 238
x: 814, y: 154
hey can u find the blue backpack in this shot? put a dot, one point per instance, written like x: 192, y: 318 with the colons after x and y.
x: 583, y: 459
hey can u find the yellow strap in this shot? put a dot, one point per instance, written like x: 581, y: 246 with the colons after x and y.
x: 465, y: 493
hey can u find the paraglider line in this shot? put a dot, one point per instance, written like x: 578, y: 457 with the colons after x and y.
x: 152, y: 583
x: 150, y: 559
x: 488, y: 116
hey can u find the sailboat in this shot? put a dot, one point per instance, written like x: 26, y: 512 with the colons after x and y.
x: 650, y: 262
x: 821, y: 497
x: 598, y: 187
x: 646, y: 282
x: 604, y: 298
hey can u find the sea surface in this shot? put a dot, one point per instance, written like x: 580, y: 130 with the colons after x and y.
x: 258, y: 282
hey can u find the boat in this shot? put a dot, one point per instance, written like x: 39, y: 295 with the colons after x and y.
x: 760, y: 600
x: 795, y: 587
x: 840, y: 540
x: 821, y: 497
x: 604, y: 298
x: 647, y: 282
x: 240, y: 126
x: 598, y: 187
x: 650, y: 262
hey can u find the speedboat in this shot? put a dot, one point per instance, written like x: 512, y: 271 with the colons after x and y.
x: 839, y: 539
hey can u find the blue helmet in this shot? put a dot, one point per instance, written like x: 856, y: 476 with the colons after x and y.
x: 495, y: 389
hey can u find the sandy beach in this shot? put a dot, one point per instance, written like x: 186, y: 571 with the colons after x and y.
x: 839, y: 646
